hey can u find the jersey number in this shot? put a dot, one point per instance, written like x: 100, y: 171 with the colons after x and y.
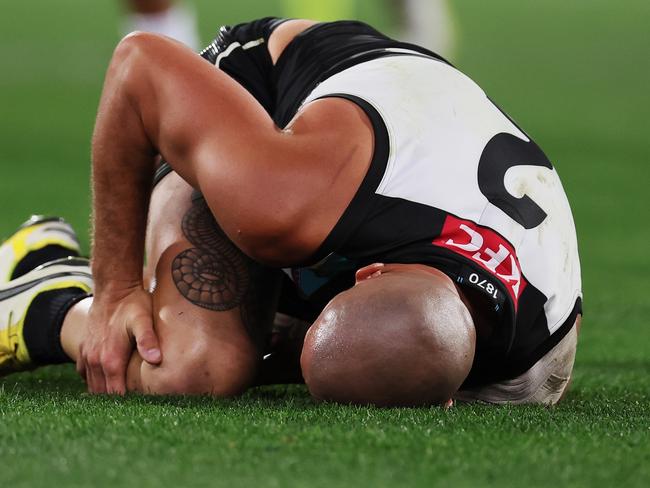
x: 503, y: 152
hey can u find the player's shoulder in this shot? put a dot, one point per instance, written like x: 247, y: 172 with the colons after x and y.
x: 284, y: 33
x: 330, y: 113
x: 336, y: 126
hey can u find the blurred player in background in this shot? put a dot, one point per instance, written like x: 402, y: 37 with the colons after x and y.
x: 175, y: 19
x: 428, y: 23
x: 330, y: 10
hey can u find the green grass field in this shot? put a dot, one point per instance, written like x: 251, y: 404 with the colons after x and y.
x: 574, y: 74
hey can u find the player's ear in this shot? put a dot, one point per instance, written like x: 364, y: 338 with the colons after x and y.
x: 368, y: 272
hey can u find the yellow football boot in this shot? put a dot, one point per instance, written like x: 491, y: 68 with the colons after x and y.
x: 16, y: 297
x: 37, y: 241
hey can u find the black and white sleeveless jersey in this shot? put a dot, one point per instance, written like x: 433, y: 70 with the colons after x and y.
x: 454, y: 183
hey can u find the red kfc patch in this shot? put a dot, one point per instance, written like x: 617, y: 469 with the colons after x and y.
x: 486, y: 248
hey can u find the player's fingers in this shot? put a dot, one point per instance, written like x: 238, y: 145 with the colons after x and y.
x: 95, y: 376
x: 146, y: 340
x: 370, y: 271
x: 80, y: 364
x: 114, y: 371
x: 81, y: 368
x: 94, y: 373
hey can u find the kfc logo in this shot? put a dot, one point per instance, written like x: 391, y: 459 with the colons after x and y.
x: 486, y: 248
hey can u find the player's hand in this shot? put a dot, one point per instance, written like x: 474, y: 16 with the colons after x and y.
x: 117, y: 323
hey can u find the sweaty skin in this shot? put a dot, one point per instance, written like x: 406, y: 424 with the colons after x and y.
x: 222, y: 143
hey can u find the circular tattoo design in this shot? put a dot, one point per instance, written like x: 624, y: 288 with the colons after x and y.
x: 207, y: 281
x: 200, y: 227
x: 214, y: 275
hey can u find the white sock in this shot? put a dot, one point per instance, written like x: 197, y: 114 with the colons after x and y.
x: 177, y: 22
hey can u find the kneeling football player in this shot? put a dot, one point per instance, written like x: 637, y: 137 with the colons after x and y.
x: 325, y: 171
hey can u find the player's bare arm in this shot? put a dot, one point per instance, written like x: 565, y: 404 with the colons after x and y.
x: 222, y: 143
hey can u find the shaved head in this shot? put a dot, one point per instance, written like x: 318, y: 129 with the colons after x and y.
x: 401, y: 336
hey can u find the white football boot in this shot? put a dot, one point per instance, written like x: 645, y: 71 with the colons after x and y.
x: 35, y: 235
x: 16, y: 297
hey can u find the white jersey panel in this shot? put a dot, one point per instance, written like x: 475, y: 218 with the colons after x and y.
x: 439, y: 122
x: 425, y: 100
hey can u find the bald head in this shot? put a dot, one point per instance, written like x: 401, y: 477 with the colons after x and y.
x: 400, y: 336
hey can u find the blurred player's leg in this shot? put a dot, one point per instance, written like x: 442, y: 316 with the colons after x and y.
x: 167, y: 17
x: 330, y: 10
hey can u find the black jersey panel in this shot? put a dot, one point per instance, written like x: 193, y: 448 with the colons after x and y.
x: 308, y: 307
x: 531, y: 332
x: 531, y: 343
x: 529, y: 351
x: 395, y: 230
x: 311, y: 57
x: 390, y: 229
x: 322, y: 51
x: 251, y: 67
x: 243, y: 54
x: 357, y: 209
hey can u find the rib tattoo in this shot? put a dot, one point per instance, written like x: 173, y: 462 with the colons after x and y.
x: 215, y: 275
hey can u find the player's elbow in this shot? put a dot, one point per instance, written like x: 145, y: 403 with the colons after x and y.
x: 130, y: 45
x: 268, y: 230
x: 127, y: 61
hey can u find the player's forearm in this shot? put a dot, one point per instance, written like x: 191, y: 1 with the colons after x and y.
x: 121, y: 188
x: 122, y: 170
x: 123, y: 159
